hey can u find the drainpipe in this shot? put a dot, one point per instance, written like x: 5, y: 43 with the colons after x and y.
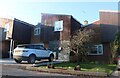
x: 11, y: 40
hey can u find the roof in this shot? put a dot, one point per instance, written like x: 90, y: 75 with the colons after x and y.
x: 91, y: 24
x: 96, y: 27
x: 55, y: 14
x: 115, y: 11
x: 11, y: 18
x: 23, y: 22
x: 96, y: 22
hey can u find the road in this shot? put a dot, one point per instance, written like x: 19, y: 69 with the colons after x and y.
x: 11, y: 72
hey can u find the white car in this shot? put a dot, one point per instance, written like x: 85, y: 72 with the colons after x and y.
x: 31, y: 53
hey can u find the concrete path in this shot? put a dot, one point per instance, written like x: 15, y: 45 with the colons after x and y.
x: 116, y: 72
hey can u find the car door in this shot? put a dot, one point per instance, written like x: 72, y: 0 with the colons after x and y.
x: 38, y: 51
x: 44, y: 52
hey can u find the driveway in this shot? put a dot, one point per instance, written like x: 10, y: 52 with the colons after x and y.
x: 8, y: 61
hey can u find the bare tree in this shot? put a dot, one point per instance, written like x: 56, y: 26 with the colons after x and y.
x: 81, y: 42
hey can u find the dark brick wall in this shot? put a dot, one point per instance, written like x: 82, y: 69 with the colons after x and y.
x: 69, y: 25
x: 101, y: 58
x: 21, y: 31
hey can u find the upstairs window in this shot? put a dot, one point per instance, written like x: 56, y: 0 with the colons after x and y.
x: 37, y: 31
x: 97, y: 50
x: 6, y: 27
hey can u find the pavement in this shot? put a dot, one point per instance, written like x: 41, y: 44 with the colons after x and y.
x: 34, y: 67
x: 12, y: 71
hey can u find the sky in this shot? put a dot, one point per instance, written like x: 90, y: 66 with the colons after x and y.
x: 30, y: 11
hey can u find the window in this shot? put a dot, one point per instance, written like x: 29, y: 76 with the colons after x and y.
x: 6, y: 28
x: 42, y: 48
x: 97, y: 50
x: 37, y: 31
x: 36, y: 47
x: 58, y: 26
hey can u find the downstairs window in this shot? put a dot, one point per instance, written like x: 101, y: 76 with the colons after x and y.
x: 96, y: 50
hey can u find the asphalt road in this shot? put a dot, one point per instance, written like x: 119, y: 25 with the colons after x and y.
x: 13, y: 72
x: 19, y: 73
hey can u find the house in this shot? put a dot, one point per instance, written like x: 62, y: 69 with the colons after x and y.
x: 55, y: 32
x: 13, y: 32
x: 105, y: 29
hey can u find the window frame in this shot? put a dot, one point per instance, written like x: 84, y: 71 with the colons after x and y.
x: 97, y: 50
x: 6, y: 27
x: 37, y: 31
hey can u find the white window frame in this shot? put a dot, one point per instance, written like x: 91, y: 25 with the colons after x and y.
x: 97, y: 50
x: 6, y: 27
x: 58, y: 26
x: 37, y: 31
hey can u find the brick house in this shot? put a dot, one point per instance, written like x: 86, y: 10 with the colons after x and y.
x: 52, y: 38
x: 13, y: 31
x: 105, y: 29
x: 55, y: 31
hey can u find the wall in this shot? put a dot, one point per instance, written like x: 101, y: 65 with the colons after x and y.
x: 4, y: 41
x: 18, y: 30
x: 49, y: 20
x: 3, y: 22
x: 101, y: 58
x: 108, y: 24
x: 5, y: 49
x: 22, y: 32
x: 59, y: 39
x: 75, y: 25
x: 35, y: 38
x: 109, y: 17
x: 108, y: 27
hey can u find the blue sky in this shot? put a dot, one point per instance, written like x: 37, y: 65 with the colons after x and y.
x: 31, y: 11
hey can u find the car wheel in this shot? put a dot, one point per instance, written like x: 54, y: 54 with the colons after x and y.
x: 18, y: 60
x: 31, y: 59
x: 51, y: 58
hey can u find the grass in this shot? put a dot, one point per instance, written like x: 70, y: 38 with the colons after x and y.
x: 92, y: 67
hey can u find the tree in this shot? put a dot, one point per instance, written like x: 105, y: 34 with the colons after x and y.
x: 115, y: 48
x: 81, y: 42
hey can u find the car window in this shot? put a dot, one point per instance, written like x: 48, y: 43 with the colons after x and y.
x: 29, y: 46
x: 42, y: 48
x: 36, y: 47
x: 32, y: 46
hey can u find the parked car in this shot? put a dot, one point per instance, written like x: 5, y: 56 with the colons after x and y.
x: 31, y: 53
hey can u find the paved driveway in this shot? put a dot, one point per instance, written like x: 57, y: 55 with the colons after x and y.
x: 7, y: 61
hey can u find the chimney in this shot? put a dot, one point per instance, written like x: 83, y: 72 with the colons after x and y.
x: 85, y: 22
